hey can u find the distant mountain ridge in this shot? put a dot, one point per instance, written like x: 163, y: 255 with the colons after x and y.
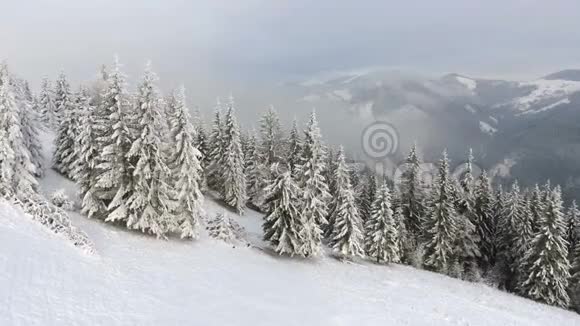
x: 568, y: 74
x: 533, y: 124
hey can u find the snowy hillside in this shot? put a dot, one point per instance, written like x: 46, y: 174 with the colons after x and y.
x: 137, y: 280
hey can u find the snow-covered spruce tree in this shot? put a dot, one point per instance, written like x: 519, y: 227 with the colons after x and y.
x: 329, y: 172
x: 17, y: 168
x: 574, y: 259
x: 29, y: 122
x: 201, y: 141
x: 216, y: 151
x: 34, y: 144
x: 508, y: 228
x: 7, y: 154
x: 222, y: 227
x: 441, y: 225
x: 81, y: 106
x: 382, y: 242
x: 294, y: 144
x: 515, y: 230
x: 413, y: 194
x: 270, y: 136
x: 231, y: 165
x: 46, y: 104
x: 87, y: 151
x: 149, y: 206
x: 524, y: 235
x: 96, y: 88
x: 256, y: 175
x: 500, y: 271
x: 346, y: 229
x: 187, y: 172
x: 407, y: 243
x: 67, y: 122
x: 573, y: 224
x: 62, y: 99
x: 112, y: 119
x: 329, y: 175
x: 537, y: 207
x: 314, y: 189
x: 282, y: 224
x: 468, y: 239
x: 366, y: 194
x: 485, y: 221
x: 546, y: 261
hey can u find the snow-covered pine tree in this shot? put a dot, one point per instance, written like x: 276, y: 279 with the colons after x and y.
x: 441, y: 225
x: 62, y: 99
x: 382, y: 241
x: 573, y: 224
x: 314, y: 188
x: 7, y: 154
x: 187, y: 172
x: 216, y: 151
x: 148, y: 203
x: 485, y: 223
x: 524, y: 235
x: 16, y: 169
x: 29, y: 122
x: 537, y: 208
x: 81, y: 103
x: 97, y: 87
x: 201, y: 143
x: 515, y: 230
x: 256, y: 175
x: 413, y: 194
x: 329, y: 172
x: 574, y: 259
x: 467, y: 238
x: 222, y: 227
x: 113, y: 136
x: 346, y: 229
x: 200, y: 136
x: 66, y: 122
x: 355, y: 181
x: 46, y: 104
x: 88, y: 151
x: 546, y: 261
x: 270, y: 136
x: 294, y: 144
x: 367, y: 192
x: 407, y: 243
x: 508, y: 228
x: 282, y: 224
x: 232, y: 164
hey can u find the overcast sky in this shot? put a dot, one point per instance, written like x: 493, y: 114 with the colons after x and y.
x: 260, y: 39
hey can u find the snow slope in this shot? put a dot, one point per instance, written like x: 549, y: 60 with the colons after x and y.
x: 467, y: 82
x: 134, y: 279
x: 545, y: 90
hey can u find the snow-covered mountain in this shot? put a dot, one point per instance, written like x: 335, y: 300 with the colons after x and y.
x: 502, y: 120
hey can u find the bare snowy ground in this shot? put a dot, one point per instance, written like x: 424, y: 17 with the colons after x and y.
x: 135, y: 279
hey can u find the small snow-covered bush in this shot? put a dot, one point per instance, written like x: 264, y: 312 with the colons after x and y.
x: 55, y: 219
x: 222, y: 227
x: 61, y: 200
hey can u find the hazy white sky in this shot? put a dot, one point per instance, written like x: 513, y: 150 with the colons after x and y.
x: 193, y: 40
